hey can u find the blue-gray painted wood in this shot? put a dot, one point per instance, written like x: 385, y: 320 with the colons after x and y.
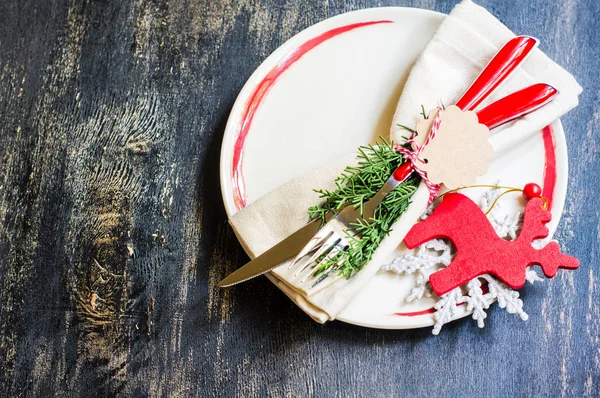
x: 113, y: 234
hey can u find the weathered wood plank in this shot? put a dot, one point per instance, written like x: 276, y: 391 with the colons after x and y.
x: 113, y: 234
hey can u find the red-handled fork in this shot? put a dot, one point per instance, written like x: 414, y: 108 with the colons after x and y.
x: 331, y: 238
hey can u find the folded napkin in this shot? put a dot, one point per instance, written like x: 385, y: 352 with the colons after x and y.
x: 461, y: 47
x: 459, y: 50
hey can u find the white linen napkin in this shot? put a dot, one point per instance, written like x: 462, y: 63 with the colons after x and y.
x: 461, y: 47
x: 459, y: 50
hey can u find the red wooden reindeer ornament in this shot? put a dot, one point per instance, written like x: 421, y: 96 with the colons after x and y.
x: 481, y: 251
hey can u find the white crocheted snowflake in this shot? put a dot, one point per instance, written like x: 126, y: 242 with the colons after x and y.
x: 427, y: 257
x: 477, y: 296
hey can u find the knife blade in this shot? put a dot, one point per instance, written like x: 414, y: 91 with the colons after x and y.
x: 279, y: 253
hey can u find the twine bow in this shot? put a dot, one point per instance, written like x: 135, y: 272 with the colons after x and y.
x: 413, y: 156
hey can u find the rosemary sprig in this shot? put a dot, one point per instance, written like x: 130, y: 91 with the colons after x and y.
x: 355, y: 187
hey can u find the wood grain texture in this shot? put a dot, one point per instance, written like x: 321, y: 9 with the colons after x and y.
x: 113, y: 233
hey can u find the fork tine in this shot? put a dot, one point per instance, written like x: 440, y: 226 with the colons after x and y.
x: 321, y: 278
x: 329, y: 254
x: 328, y: 277
x: 321, y: 250
x: 307, y: 264
x: 333, y: 268
x: 326, y: 249
x: 324, y: 281
x: 314, y: 244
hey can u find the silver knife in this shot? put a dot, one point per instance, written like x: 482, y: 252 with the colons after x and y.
x: 282, y: 251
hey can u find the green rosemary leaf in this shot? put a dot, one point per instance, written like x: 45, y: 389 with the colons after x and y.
x: 406, y: 128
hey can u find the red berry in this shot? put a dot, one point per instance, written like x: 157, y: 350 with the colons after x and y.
x: 532, y: 190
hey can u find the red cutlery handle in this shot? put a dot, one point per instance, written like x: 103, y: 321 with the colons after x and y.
x: 403, y: 171
x: 508, y: 58
x: 516, y: 105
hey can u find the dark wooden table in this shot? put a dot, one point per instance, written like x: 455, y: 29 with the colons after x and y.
x: 113, y: 233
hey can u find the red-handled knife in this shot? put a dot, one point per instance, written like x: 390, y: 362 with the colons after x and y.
x: 516, y: 105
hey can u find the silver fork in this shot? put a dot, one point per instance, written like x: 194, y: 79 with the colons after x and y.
x: 332, y: 238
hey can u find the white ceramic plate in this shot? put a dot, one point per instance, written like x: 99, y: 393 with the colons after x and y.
x: 332, y: 88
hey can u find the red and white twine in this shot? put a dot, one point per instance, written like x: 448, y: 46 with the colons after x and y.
x: 413, y: 156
